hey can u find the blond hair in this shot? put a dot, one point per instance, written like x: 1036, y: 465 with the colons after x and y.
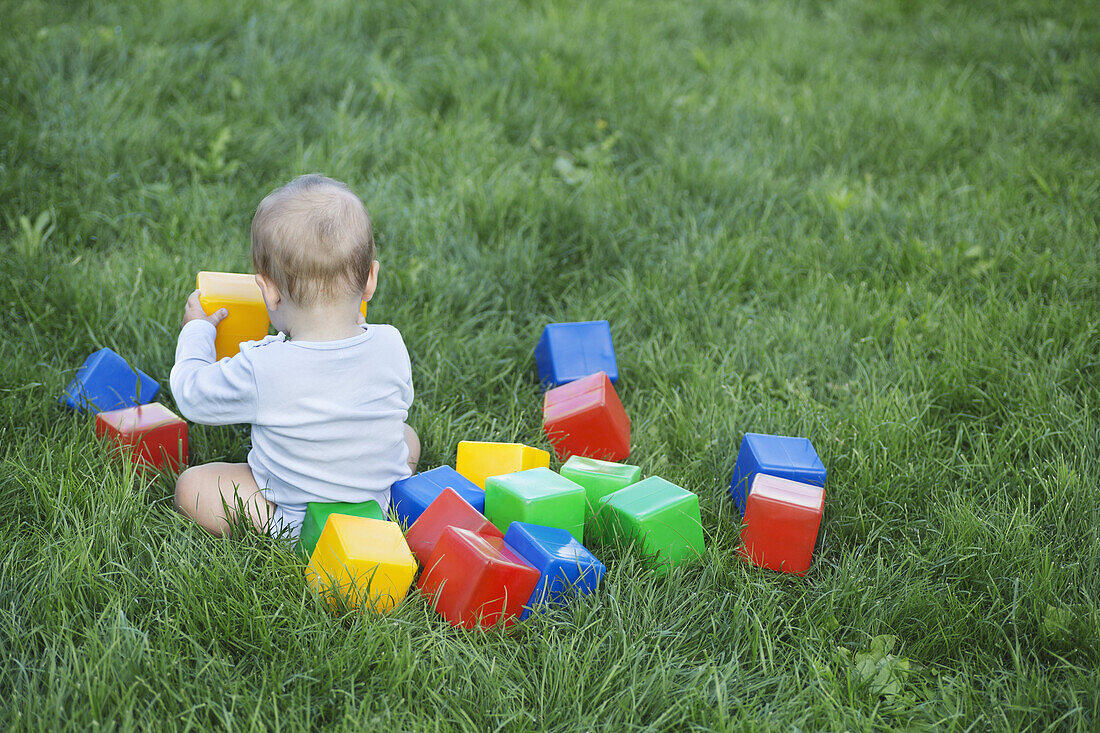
x: 313, y: 239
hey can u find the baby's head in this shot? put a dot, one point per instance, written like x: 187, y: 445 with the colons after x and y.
x: 312, y: 240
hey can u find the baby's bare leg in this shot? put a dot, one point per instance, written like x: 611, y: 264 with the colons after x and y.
x: 413, y: 441
x: 207, y: 493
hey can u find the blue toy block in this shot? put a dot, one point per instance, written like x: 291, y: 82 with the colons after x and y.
x: 569, y: 351
x: 790, y: 458
x: 411, y: 496
x: 568, y: 568
x: 106, y: 382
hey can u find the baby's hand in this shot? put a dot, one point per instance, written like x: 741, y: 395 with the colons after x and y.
x: 193, y: 312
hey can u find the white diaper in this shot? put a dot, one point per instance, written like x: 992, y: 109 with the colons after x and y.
x: 286, y: 523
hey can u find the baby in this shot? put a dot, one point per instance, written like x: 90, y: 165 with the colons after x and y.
x: 327, y: 398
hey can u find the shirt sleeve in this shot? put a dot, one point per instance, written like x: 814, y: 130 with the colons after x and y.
x: 208, y: 391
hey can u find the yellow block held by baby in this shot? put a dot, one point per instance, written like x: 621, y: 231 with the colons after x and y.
x: 240, y: 295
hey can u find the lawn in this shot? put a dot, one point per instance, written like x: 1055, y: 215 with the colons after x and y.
x: 875, y: 224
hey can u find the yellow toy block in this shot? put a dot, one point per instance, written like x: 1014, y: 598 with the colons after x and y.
x: 365, y: 560
x: 478, y: 461
x: 240, y: 295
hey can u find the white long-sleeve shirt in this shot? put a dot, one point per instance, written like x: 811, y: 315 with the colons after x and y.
x: 327, y: 416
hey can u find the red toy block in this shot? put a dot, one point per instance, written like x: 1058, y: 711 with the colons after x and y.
x: 475, y: 579
x: 781, y: 522
x: 586, y: 418
x: 448, y: 510
x: 152, y: 434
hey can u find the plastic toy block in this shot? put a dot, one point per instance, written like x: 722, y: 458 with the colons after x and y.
x: 661, y: 518
x: 411, y: 496
x: 152, y: 435
x: 568, y: 568
x: 477, y: 580
x: 569, y: 351
x: 775, y: 455
x: 478, y: 461
x: 586, y: 418
x: 105, y: 382
x: 365, y: 560
x: 317, y: 514
x: 536, y: 496
x: 782, y: 518
x: 240, y: 295
x: 599, y: 478
x: 448, y: 510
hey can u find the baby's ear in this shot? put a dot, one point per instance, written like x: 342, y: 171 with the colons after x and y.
x: 372, y: 282
x: 269, y: 291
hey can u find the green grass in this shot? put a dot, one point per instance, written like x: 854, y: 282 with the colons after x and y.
x: 874, y: 224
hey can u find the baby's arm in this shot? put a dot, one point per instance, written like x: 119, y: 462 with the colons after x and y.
x: 206, y: 390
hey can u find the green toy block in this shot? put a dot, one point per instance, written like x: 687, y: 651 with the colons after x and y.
x: 599, y: 478
x: 536, y: 496
x: 661, y: 518
x: 317, y: 514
